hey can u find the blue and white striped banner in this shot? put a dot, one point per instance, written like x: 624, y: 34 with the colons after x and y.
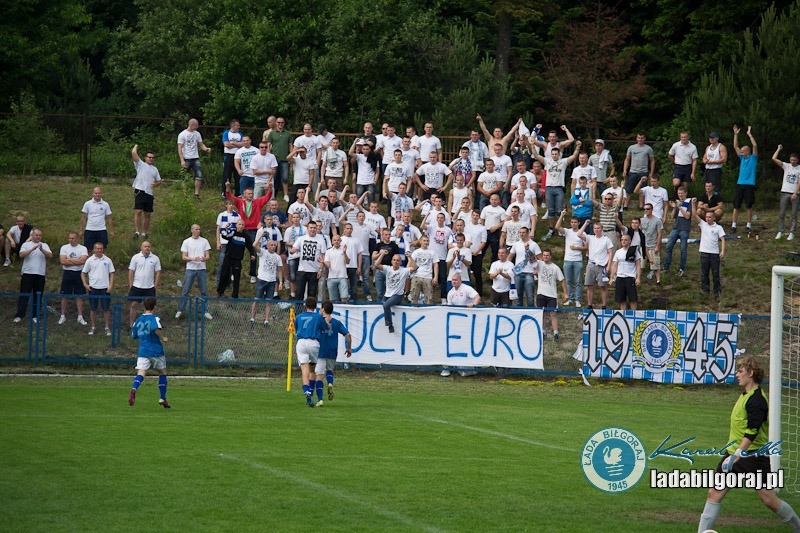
x: 661, y: 346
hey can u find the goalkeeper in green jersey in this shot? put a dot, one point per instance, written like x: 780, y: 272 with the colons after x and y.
x: 749, y: 433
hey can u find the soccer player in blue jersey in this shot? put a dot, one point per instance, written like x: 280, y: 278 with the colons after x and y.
x: 328, y: 349
x: 309, y: 327
x: 147, y: 329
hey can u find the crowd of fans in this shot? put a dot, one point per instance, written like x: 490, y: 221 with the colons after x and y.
x: 389, y: 221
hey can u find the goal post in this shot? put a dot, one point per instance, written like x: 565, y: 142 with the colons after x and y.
x: 784, y: 373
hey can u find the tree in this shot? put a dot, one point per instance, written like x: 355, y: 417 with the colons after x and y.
x: 759, y: 89
x: 679, y: 40
x: 590, y: 75
x: 41, y: 43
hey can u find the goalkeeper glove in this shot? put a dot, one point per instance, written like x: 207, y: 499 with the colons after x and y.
x: 727, y: 464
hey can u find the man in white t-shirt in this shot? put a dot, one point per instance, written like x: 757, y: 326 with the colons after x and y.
x: 626, y: 273
x: 501, y: 272
x: 269, y: 277
x: 34, y: 255
x: 232, y: 141
x: 574, y: 247
x: 600, y: 254
x: 311, y: 143
x: 426, y: 275
x: 189, y: 140
x: 789, y: 190
x: 654, y: 194
x: 354, y: 252
x: 525, y: 254
x: 366, y: 166
x: 242, y: 160
x: 96, y: 221
x: 437, y: 206
x: 459, y: 259
x: 335, y: 164
x: 511, y: 228
x: 396, y: 277
x: 147, y: 177
x: 712, y: 249
x: 584, y: 169
x: 489, y: 182
x: 439, y: 235
x: 395, y: 173
x: 336, y: 261
x: 527, y: 211
x: 302, y: 207
x: 683, y: 155
x: 429, y: 143
x: 556, y: 167
x: 434, y: 174
x: 311, y: 248
x: 547, y: 290
x: 97, y: 276
x: 263, y: 166
x: 502, y: 164
x: 462, y: 294
x: 144, y: 272
x: 387, y: 145
x: 195, y: 252
x: 493, y: 217
x: 304, y: 169
x: 72, y: 256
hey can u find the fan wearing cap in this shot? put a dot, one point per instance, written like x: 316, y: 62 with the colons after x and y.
x: 603, y: 164
x: 714, y: 157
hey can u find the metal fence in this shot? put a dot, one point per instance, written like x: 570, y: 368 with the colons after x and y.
x: 216, y: 332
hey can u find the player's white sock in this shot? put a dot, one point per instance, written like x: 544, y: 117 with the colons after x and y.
x: 709, y: 516
x: 788, y: 516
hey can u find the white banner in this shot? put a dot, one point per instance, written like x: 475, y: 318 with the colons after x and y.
x: 442, y: 335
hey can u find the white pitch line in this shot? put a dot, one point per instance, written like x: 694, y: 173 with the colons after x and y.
x: 319, y: 487
x: 496, y: 434
x: 118, y: 376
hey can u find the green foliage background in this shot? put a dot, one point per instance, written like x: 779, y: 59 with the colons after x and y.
x: 609, y: 69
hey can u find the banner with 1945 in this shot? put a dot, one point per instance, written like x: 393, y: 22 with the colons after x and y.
x: 661, y: 346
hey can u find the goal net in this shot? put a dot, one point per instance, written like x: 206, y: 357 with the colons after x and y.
x: 784, y: 373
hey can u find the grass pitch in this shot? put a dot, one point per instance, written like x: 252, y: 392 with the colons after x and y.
x: 392, y: 452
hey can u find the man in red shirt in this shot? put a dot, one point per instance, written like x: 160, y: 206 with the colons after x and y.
x: 250, y: 211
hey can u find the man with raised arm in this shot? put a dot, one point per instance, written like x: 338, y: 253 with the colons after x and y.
x: 746, y: 184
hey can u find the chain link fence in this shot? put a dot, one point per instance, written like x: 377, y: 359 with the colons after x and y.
x: 218, y: 332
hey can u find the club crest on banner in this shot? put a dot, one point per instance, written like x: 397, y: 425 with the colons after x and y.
x: 656, y: 346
